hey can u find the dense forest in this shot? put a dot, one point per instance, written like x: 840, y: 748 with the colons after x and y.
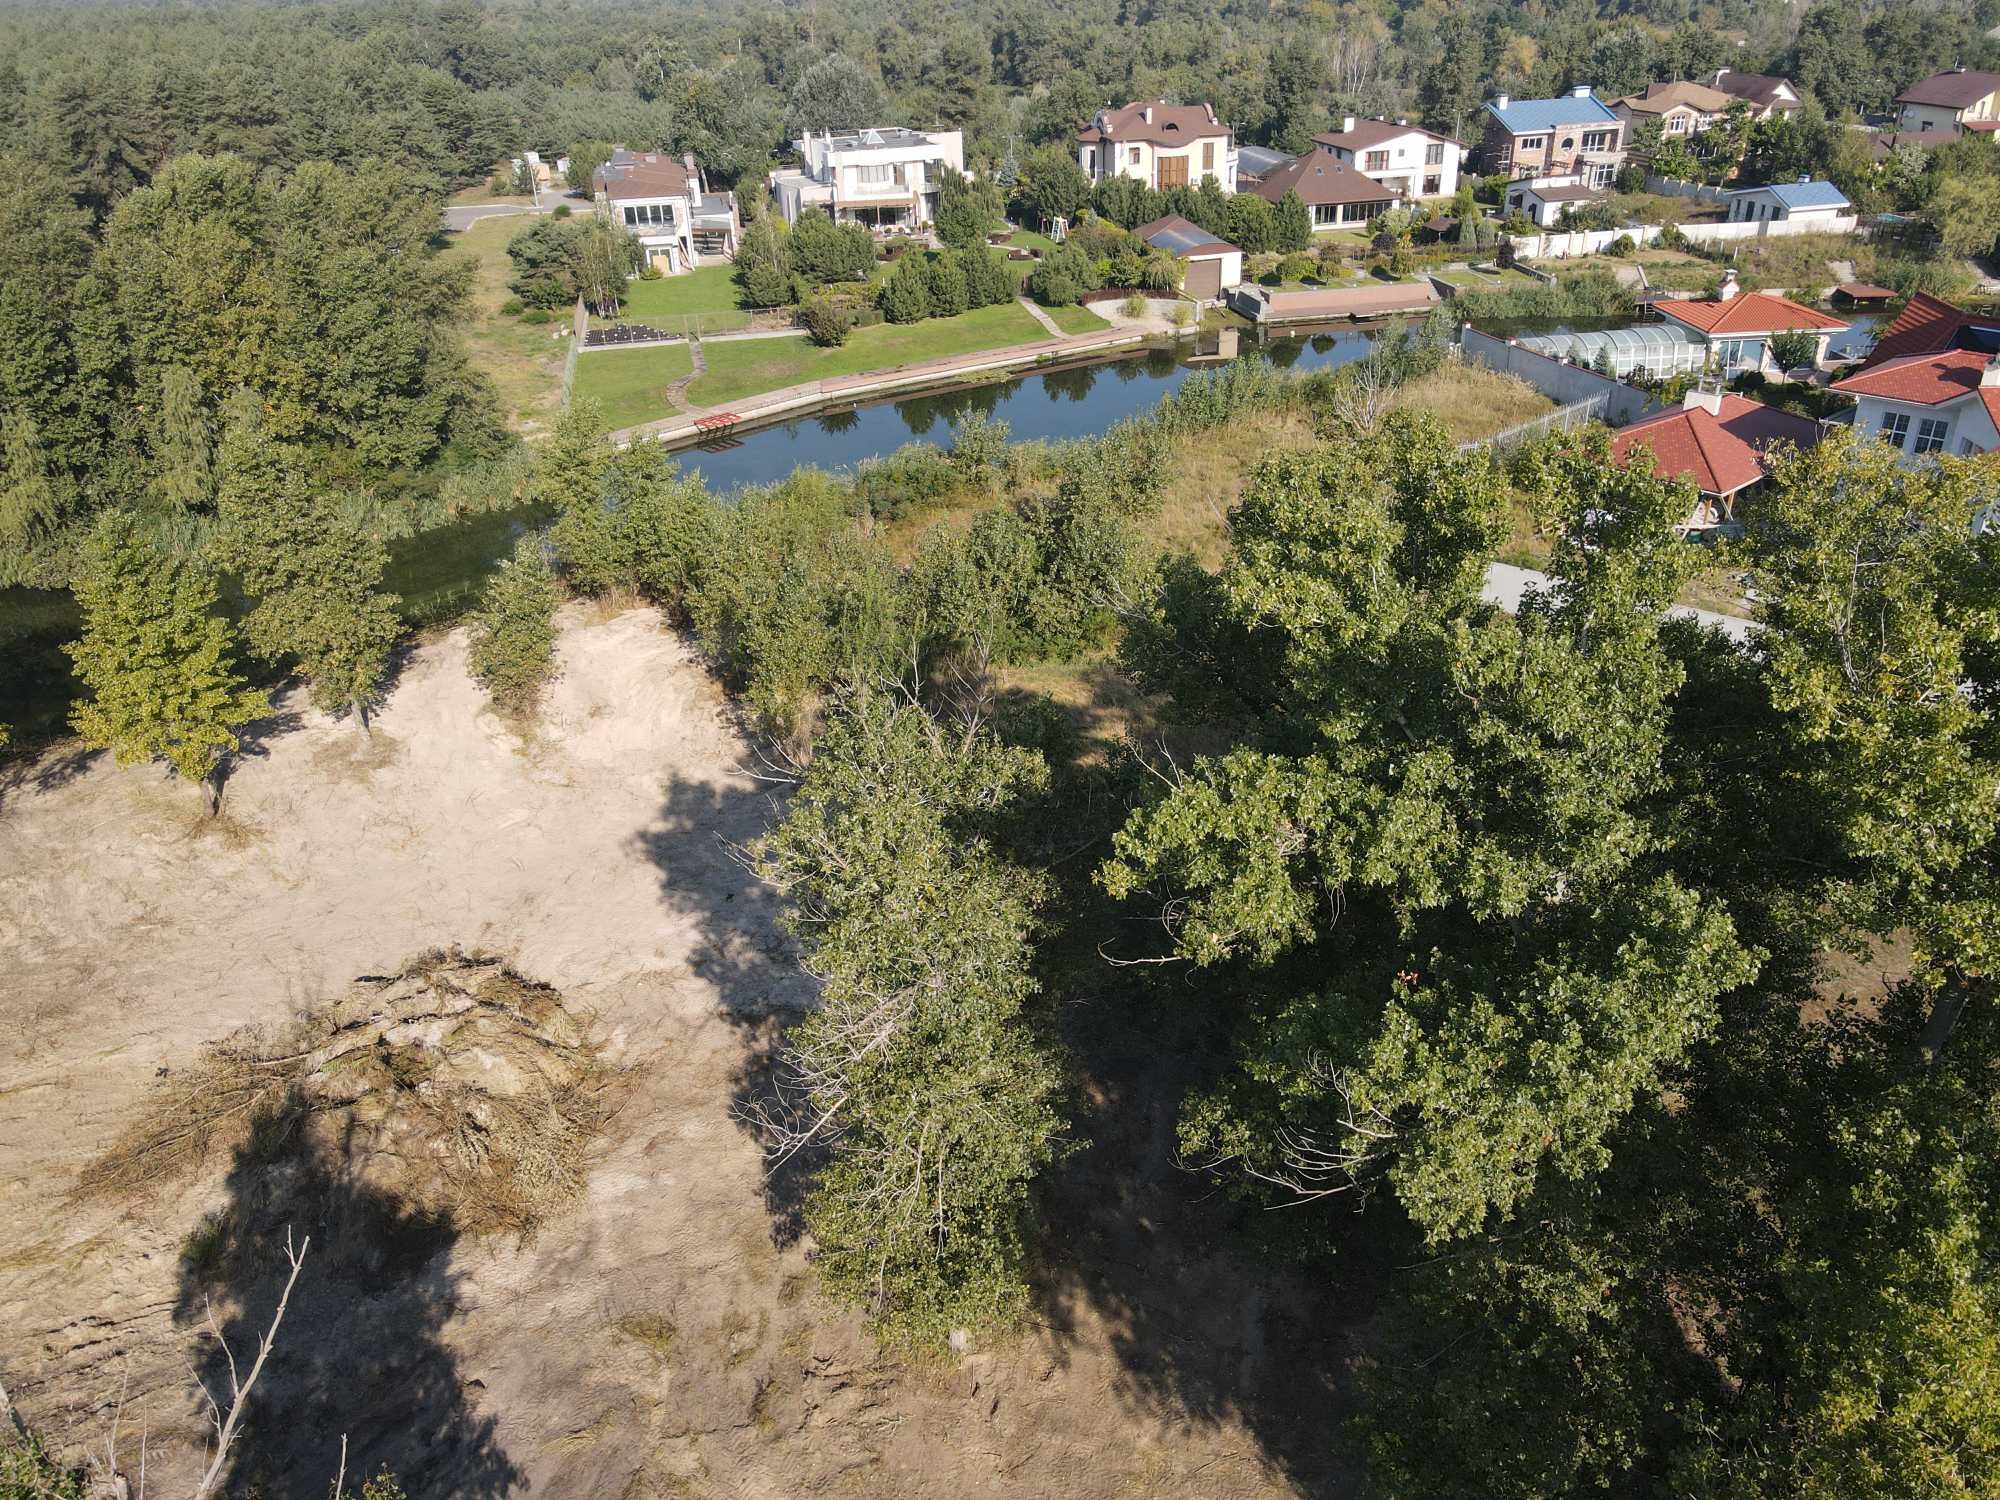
x: 1503, y: 951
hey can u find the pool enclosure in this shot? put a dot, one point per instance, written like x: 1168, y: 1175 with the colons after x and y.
x: 1655, y: 349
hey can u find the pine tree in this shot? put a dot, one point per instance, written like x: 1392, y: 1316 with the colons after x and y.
x: 513, y: 648
x: 157, y: 661
x: 1291, y: 224
x: 316, y: 576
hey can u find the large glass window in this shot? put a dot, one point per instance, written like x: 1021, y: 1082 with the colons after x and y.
x: 1434, y: 155
x: 1930, y: 434
x: 1376, y: 161
x: 1895, y: 428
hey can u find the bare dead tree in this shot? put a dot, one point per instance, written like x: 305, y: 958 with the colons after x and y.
x: 226, y: 1423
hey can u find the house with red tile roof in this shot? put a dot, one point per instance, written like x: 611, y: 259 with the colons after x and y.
x: 1405, y: 158
x: 1737, y: 326
x: 1163, y: 145
x: 1942, y: 402
x: 1721, y: 444
x: 1929, y: 325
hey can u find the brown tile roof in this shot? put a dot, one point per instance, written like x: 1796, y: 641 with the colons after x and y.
x: 1722, y: 451
x: 1956, y: 89
x: 1750, y: 312
x: 1924, y: 326
x: 1661, y: 97
x: 1883, y: 142
x: 1318, y: 178
x: 642, y: 174
x: 1865, y: 291
x: 1171, y: 125
x: 1760, y: 89
x: 1573, y: 193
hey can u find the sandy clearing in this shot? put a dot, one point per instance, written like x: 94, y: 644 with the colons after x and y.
x: 661, y: 1339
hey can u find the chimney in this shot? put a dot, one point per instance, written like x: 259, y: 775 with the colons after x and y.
x: 1346, y: 124
x: 1727, y: 291
x: 1703, y: 397
x: 1581, y: 91
x: 1500, y: 101
x: 1989, y: 377
x: 1146, y: 114
x: 1805, y: 177
x: 1402, y: 119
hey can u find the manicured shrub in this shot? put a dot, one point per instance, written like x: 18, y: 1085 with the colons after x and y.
x: 825, y: 321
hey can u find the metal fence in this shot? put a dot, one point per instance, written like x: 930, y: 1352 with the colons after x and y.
x: 1591, y: 409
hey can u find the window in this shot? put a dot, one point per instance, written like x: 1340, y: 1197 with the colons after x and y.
x: 1434, y: 155
x: 1966, y: 448
x: 1895, y: 428
x: 1376, y: 161
x: 1930, y: 435
x: 1432, y: 186
x: 1207, y: 156
x: 879, y: 174
x: 646, y: 215
x: 1133, y: 158
x: 1569, y: 143
x: 1173, y: 172
x: 1533, y: 142
x: 1600, y: 140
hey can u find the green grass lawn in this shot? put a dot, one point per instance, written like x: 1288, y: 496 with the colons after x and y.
x: 745, y: 367
x: 705, y: 289
x: 1075, y: 319
x: 523, y: 360
x: 628, y: 383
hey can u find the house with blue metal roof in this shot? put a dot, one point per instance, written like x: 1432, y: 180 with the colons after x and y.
x: 1575, y: 135
x: 1804, y: 199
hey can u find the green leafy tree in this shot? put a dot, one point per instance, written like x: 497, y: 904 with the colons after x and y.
x: 186, y: 448
x: 155, y: 659
x: 1053, y: 185
x: 906, y: 295
x: 966, y: 212
x: 1965, y: 212
x: 585, y: 157
x: 823, y: 251
x: 921, y: 1065
x: 513, y: 643
x: 316, y: 577
x: 835, y: 93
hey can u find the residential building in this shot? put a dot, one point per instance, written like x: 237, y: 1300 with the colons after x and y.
x: 1930, y: 325
x: 1335, y: 193
x: 1213, y: 267
x: 1737, y: 326
x: 1946, y: 402
x: 1543, y: 199
x: 1577, y: 133
x: 886, y: 178
x: 1719, y: 443
x: 1255, y: 161
x: 1883, y: 144
x: 1957, y: 100
x: 663, y: 202
x: 1804, y: 199
x: 1163, y: 145
x: 1765, y: 94
x: 1681, y: 110
x: 1407, y: 159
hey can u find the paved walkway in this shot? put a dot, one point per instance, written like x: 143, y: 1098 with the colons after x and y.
x: 1034, y: 310
x: 1506, y: 584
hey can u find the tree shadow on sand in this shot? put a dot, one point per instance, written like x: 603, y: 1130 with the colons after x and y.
x: 361, y: 1352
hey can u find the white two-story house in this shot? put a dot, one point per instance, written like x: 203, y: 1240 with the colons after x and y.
x: 662, y: 201
x: 1162, y: 145
x: 1407, y: 159
x: 886, y: 178
x: 1947, y: 402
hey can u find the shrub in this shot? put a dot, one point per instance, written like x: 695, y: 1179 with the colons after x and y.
x: 562, y: 211
x: 513, y: 306
x: 1297, y: 267
x: 978, y: 446
x: 824, y: 321
x: 1133, y: 306
x: 544, y: 263
x: 1794, y: 348
x: 823, y: 251
x: 945, y: 278
x: 915, y: 475
x: 1062, y: 277
x: 652, y: 272
x: 1623, y: 245
x: 538, y: 315
x: 513, y: 632
x: 766, y: 284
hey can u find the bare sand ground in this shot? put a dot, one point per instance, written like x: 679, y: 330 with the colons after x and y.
x: 662, y: 1338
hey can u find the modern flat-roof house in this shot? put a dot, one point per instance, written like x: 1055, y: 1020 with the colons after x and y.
x: 1543, y: 199
x: 1737, y: 326
x: 1213, y: 267
x: 1804, y: 199
x: 886, y: 178
x: 1411, y: 161
x: 1766, y: 95
x: 1162, y: 145
x: 1575, y: 134
x: 1719, y: 443
x: 1956, y: 101
x: 1681, y: 109
x: 662, y: 201
x: 1336, y: 193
